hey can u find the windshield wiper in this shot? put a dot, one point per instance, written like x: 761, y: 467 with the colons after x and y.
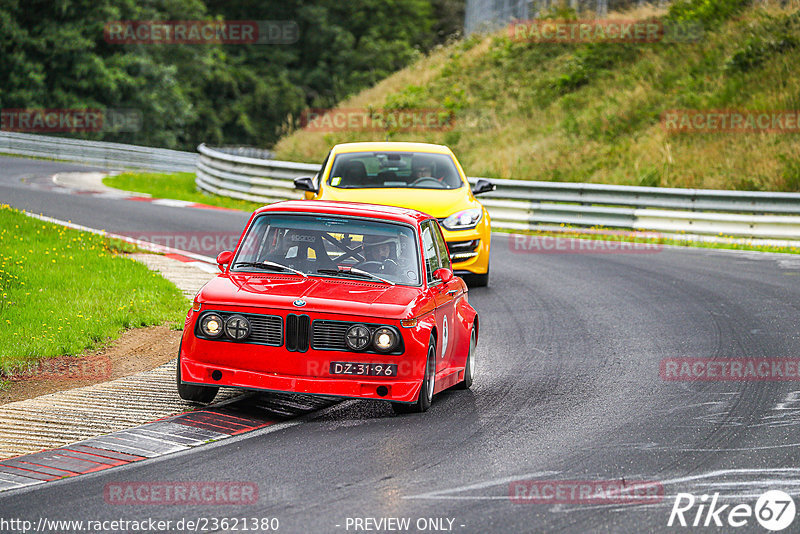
x: 270, y: 266
x: 357, y: 272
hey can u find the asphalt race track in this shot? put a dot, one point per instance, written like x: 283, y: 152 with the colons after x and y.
x: 27, y: 184
x: 568, y: 388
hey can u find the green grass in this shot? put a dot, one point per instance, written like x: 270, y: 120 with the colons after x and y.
x: 178, y: 186
x: 63, y: 291
x: 592, y: 112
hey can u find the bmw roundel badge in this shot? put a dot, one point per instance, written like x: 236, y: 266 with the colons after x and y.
x: 299, y: 303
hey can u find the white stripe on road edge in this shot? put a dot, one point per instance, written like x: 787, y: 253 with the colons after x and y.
x: 205, y: 267
x: 173, y: 203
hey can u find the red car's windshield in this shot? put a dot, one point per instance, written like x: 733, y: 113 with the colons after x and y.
x: 330, y: 246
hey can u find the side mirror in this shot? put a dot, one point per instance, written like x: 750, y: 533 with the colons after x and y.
x: 223, y: 259
x: 483, y: 186
x: 306, y: 183
x: 445, y: 275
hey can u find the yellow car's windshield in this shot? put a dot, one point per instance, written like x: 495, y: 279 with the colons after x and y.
x: 363, y: 170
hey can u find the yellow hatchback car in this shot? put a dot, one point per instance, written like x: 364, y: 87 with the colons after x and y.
x: 419, y: 176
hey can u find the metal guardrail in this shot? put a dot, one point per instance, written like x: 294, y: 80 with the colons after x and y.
x: 246, y: 173
x: 246, y: 178
x: 521, y: 205
x: 526, y: 205
x: 97, y: 153
x: 246, y: 152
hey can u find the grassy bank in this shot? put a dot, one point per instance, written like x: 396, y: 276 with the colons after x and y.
x: 592, y: 112
x: 178, y: 186
x: 63, y: 291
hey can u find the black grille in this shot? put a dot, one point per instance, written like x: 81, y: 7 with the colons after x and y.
x: 463, y: 250
x: 264, y: 329
x: 463, y: 246
x: 297, y: 332
x: 330, y: 335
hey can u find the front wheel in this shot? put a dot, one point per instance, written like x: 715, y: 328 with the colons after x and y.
x: 428, y: 386
x: 193, y: 393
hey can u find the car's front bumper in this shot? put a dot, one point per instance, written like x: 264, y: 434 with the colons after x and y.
x: 350, y: 386
x: 275, y: 368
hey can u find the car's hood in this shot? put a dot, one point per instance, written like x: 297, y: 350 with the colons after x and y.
x: 438, y: 203
x: 325, y: 295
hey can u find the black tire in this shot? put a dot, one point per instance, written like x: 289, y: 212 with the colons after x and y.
x: 477, y: 280
x: 469, y: 368
x: 428, y: 385
x: 193, y: 393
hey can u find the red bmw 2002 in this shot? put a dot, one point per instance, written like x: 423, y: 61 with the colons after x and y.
x: 333, y: 298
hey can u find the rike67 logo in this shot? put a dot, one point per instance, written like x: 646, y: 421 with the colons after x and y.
x: 774, y: 510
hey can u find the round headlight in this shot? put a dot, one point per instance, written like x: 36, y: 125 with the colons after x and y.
x: 211, y: 325
x: 237, y: 327
x: 384, y: 339
x: 357, y: 337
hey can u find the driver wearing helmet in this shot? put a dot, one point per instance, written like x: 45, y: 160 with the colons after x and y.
x: 380, y: 250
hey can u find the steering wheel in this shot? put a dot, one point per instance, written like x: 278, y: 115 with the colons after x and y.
x: 371, y: 266
x: 376, y: 266
x: 430, y: 179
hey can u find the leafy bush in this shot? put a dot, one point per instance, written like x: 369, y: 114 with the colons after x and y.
x: 55, y: 56
x: 777, y: 36
x: 709, y: 12
x: 411, y: 97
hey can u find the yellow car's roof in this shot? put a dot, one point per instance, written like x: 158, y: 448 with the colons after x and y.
x: 390, y: 146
